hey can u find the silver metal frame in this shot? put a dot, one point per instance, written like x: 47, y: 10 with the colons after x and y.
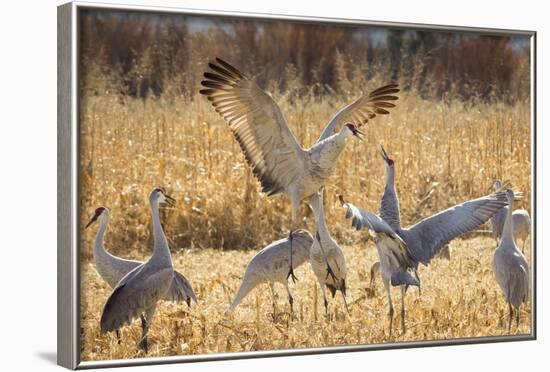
x: 68, y: 277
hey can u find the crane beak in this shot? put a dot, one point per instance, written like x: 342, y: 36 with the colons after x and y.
x: 342, y: 201
x: 92, y: 220
x: 170, y: 201
x: 383, y: 154
x: 357, y: 133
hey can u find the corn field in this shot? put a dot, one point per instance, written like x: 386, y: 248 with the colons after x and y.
x: 447, y: 149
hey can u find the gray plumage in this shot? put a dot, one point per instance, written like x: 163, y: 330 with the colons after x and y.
x: 511, y: 268
x: 270, y: 265
x: 326, y: 257
x: 389, y: 205
x: 427, y: 237
x: 522, y: 221
x: 270, y: 148
x: 139, y: 291
x: 395, y: 258
x: 112, y: 268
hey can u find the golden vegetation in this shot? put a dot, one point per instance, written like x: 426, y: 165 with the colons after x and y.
x: 460, y: 298
x: 448, y: 147
x: 445, y: 153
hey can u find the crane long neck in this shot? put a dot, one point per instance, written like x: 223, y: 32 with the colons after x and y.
x: 99, y: 249
x: 390, y: 178
x: 160, y: 243
x: 389, y: 208
x: 508, y: 230
x: 319, y: 212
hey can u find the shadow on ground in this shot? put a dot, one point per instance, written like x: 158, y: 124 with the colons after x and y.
x: 48, y: 356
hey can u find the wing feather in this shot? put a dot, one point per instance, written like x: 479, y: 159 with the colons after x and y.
x: 363, y: 109
x: 432, y: 233
x: 388, y: 241
x: 180, y: 290
x: 361, y: 219
x: 270, y: 148
x: 134, y: 294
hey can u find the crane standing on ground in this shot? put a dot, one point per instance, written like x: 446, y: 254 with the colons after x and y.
x: 112, y: 268
x: 522, y: 221
x: 427, y: 237
x: 270, y: 265
x: 139, y: 291
x: 326, y: 257
x: 395, y: 258
x: 510, y: 266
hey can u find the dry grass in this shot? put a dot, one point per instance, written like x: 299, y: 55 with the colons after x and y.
x: 445, y: 153
x: 460, y: 298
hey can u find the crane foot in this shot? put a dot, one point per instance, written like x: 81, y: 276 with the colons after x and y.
x: 291, y: 274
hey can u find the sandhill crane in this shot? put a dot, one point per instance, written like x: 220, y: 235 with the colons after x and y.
x: 270, y: 265
x: 396, y: 260
x: 427, y: 237
x: 510, y: 266
x: 112, y: 268
x: 326, y: 257
x: 139, y: 291
x: 522, y: 221
x: 270, y: 148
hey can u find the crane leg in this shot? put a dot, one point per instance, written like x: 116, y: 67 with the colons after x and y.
x: 274, y: 298
x: 510, y: 317
x: 345, y: 303
x: 291, y: 267
x: 373, y: 271
x: 517, y: 318
x: 419, y: 284
x: 324, y: 299
x: 403, y: 292
x: 388, y: 292
x: 294, y: 211
x: 143, y: 343
x: 118, y: 336
x: 290, y: 299
x: 145, y: 324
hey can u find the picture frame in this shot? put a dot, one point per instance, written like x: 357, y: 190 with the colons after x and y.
x: 69, y: 192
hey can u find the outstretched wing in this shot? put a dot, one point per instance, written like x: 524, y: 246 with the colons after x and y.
x: 361, y: 219
x: 363, y: 109
x: 137, y: 292
x: 180, y: 290
x: 258, y: 125
x: 432, y: 233
x: 388, y: 241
